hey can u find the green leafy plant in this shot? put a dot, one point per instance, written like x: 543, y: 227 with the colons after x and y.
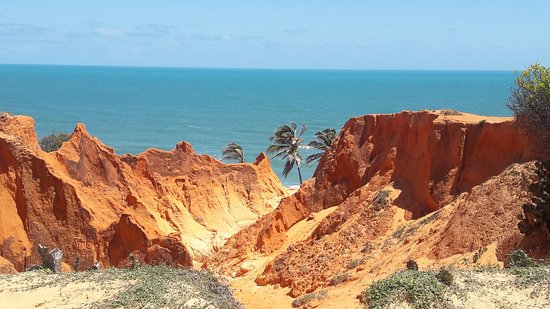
x: 418, y: 288
x: 519, y: 258
x: 451, y: 112
x: 382, y: 199
x: 164, y: 287
x: 445, y: 276
x: 412, y: 265
x: 530, y: 103
x: 430, y: 217
x: 53, y: 141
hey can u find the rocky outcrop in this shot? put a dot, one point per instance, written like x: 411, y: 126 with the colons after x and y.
x: 385, y: 169
x: 6, y: 267
x: 172, y: 207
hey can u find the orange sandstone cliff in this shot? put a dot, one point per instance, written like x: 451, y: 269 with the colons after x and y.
x: 442, y: 189
x: 427, y: 186
x: 173, y: 207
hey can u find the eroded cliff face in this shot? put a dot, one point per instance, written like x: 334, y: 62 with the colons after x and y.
x: 422, y: 185
x: 173, y: 207
x: 439, y: 189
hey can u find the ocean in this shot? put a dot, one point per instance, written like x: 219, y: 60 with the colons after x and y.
x: 134, y: 108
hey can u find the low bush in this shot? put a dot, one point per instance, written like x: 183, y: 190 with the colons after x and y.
x: 306, y: 299
x: 451, y: 112
x: 53, y: 142
x: 382, y: 199
x: 530, y: 103
x: 519, y: 258
x: 445, y: 276
x: 418, y: 288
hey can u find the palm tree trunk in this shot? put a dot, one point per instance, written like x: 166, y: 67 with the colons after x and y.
x: 300, y: 175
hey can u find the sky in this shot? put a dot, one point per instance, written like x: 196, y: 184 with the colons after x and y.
x: 310, y: 34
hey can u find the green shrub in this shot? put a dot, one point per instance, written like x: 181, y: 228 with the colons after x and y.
x: 445, y: 276
x: 532, y: 277
x: 53, y: 142
x: 530, y: 103
x: 420, y: 289
x: 164, y: 287
x: 382, y: 199
x: 412, y: 265
x: 430, y: 217
x: 451, y: 112
x: 519, y: 258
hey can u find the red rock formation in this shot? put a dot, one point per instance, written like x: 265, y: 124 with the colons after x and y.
x: 425, y: 161
x: 6, y: 267
x: 162, y: 206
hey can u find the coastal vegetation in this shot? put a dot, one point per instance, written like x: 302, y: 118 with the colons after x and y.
x: 53, y: 141
x: 530, y: 103
x: 323, y: 140
x: 285, y: 144
x: 521, y: 285
x: 233, y: 152
x: 138, y: 287
x: 420, y: 289
x: 535, y: 220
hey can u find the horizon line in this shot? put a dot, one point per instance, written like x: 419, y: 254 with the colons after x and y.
x: 252, y: 68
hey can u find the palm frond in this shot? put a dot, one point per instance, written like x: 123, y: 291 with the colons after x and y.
x: 314, y: 157
x: 317, y: 145
x: 323, y: 140
x: 289, y: 165
x: 276, y: 148
x: 293, y: 125
x: 233, y: 152
x: 303, y: 130
x: 326, y: 137
x: 285, y: 143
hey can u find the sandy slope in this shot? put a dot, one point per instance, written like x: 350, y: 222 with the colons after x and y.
x: 143, y: 287
x: 272, y: 297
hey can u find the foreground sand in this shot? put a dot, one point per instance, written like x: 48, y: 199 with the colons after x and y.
x: 485, y: 287
x: 144, y: 287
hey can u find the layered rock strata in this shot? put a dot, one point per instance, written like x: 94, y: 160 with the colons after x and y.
x: 392, y: 174
x: 172, y: 207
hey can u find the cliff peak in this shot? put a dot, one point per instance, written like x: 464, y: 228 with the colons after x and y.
x: 171, y: 207
x: 384, y: 178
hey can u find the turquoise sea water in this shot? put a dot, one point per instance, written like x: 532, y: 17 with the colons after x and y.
x: 132, y: 109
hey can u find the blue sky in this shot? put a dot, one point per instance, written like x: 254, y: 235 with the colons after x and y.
x: 422, y: 34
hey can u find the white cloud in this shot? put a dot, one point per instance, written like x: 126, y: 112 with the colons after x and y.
x: 108, y: 31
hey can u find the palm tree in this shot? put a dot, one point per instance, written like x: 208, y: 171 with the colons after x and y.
x: 323, y: 140
x: 233, y: 151
x: 285, y: 144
